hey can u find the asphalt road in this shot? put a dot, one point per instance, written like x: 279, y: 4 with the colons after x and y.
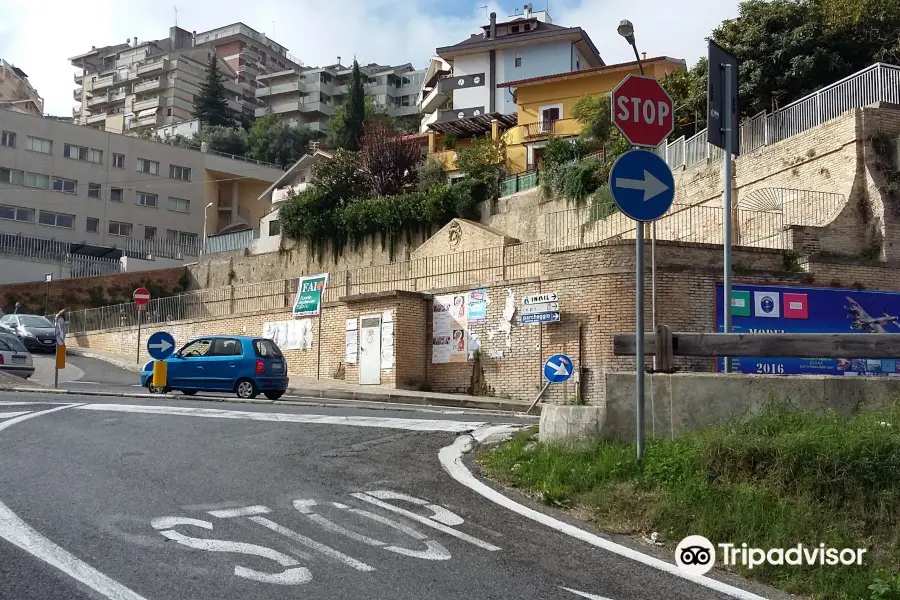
x: 186, y: 500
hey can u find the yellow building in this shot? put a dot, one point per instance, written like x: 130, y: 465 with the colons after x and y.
x: 545, y: 105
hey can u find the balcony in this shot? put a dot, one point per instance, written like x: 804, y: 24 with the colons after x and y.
x: 79, y: 78
x: 77, y: 94
x: 434, y: 100
x: 248, y: 53
x: 151, y: 120
x: 283, y: 88
x: 97, y: 118
x: 149, y: 85
x: 282, y: 194
x: 106, y: 99
x: 146, y: 104
x: 547, y: 128
x: 102, y: 83
x: 152, y: 66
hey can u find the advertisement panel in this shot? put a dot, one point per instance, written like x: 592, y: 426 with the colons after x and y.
x: 806, y: 309
x: 310, y: 292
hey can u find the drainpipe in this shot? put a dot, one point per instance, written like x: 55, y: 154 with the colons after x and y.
x: 492, y: 68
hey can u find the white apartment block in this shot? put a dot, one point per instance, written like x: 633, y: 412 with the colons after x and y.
x: 308, y: 96
x: 16, y: 93
x: 115, y: 195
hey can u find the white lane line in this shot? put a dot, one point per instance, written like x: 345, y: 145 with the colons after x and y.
x: 352, y: 421
x: 583, y: 594
x: 313, y: 544
x: 246, y: 511
x: 10, y: 415
x: 451, y: 459
x: 19, y: 533
x: 32, y: 403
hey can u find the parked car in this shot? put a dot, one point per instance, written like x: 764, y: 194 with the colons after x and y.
x: 14, y: 358
x: 246, y: 366
x: 34, y: 331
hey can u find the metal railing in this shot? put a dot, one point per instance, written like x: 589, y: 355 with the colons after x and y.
x: 58, y: 253
x: 877, y: 83
x: 160, y: 248
x: 16, y: 244
x: 227, y: 242
x: 518, y: 183
x: 476, y: 267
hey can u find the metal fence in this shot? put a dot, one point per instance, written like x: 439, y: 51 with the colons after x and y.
x: 58, y: 252
x: 878, y: 83
x: 475, y: 267
x: 227, y: 242
x: 162, y: 248
x: 518, y: 183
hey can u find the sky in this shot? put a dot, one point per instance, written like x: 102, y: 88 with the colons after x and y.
x: 40, y: 37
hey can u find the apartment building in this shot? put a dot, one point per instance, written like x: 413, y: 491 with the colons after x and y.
x: 308, y: 96
x: 461, y: 81
x: 16, y: 93
x: 104, y: 190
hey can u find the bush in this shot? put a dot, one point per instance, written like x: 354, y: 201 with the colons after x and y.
x: 581, y: 180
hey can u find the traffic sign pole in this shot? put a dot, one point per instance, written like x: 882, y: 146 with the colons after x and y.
x: 139, y: 316
x: 639, y: 340
x: 726, y: 203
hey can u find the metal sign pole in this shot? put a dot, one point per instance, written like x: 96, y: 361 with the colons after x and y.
x: 653, y: 284
x: 727, y: 109
x: 639, y: 340
x: 139, y: 312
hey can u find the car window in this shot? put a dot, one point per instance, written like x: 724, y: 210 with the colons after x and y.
x: 267, y: 349
x: 225, y: 347
x: 4, y: 347
x: 34, y: 321
x: 12, y: 343
x: 196, y: 348
x: 7, y: 319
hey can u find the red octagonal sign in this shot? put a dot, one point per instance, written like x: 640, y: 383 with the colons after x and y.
x: 642, y: 110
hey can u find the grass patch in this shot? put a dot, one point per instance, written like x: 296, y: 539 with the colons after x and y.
x: 773, y: 480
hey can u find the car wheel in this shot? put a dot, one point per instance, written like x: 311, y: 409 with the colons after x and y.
x: 274, y: 395
x: 155, y: 389
x: 246, y: 389
x: 188, y: 392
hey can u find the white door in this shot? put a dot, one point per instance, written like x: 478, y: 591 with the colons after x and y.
x: 370, y: 350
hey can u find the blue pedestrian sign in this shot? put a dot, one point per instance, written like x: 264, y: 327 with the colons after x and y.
x: 642, y: 185
x: 558, y: 368
x: 160, y: 345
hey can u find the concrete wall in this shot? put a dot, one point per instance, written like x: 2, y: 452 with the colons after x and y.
x: 22, y: 269
x: 688, y: 401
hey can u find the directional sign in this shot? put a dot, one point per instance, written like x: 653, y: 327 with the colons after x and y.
x: 540, y: 298
x: 642, y: 185
x: 141, y: 296
x: 642, y: 110
x: 558, y: 368
x: 160, y: 345
x: 539, y: 308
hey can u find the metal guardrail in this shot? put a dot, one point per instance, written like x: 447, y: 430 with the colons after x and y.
x: 877, y: 83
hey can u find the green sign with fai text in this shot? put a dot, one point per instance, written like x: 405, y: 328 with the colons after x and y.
x: 310, y: 292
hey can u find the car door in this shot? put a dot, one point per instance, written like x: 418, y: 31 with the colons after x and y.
x: 186, y: 369
x: 223, y: 365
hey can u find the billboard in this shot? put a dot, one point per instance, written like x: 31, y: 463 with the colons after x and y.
x: 802, y: 309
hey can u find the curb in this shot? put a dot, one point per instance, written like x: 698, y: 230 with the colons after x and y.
x: 126, y: 366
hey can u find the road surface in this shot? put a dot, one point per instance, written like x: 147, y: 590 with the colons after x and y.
x: 132, y: 499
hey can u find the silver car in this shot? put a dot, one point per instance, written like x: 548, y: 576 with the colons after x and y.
x: 14, y: 358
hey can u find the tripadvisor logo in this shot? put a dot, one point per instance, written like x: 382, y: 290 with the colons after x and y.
x: 696, y: 555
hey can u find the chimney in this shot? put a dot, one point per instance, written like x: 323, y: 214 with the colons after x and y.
x: 339, y: 60
x: 643, y: 56
x: 528, y: 10
x: 493, y: 30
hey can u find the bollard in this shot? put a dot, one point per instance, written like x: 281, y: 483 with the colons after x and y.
x: 160, y: 370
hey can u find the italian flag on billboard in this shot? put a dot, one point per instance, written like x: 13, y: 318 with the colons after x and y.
x: 310, y: 293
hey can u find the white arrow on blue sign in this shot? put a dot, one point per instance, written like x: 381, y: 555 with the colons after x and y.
x: 160, y: 345
x: 642, y: 185
x: 558, y: 368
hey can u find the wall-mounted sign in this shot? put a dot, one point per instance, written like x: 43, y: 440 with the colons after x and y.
x: 540, y: 308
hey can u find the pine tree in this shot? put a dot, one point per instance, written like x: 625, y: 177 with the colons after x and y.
x: 210, y: 105
x: 356, y: 110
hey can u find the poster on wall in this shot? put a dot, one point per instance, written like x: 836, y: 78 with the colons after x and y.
x: 476, y: 307
x: 289, y: 335
x: 310, y: 294
x: 449, y: 327
x: 387, y: 340
x: 802, y: 309
x: 352, y: 343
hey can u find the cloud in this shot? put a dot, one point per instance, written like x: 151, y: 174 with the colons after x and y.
x: 39, y: 37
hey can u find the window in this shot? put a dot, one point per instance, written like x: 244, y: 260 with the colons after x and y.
x: 181, y: 237
x: 168, y: 112
x: 94, y: 190
x: 274, y: 228
x: 8, y: 139
x: 196, y: 349
x: 36, y: 180
x: 267, y: 349
x: 119, y: 229
x: 149, y: 232
x: 115, y: 194
x: 514, y: 29
x: 179, y: 205
x: 176, y: 172
x: 549, y: 114
x: 17, y: 213
x: 93, y: 225
x: 56, y: 219
x: 83, y: 153
x: 36, y: 144
x: 518, y: 59
x: 147, y: 166
x: 145, y: 199
x: 226, y: 347
x: 13, y: 176
x: 118, y: 161
x: 67, y: 186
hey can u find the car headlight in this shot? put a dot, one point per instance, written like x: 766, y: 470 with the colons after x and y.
x: 26, y: 333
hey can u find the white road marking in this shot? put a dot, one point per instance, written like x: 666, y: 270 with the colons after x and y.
x: 246, y: 511
x: 451, y: 459
x: 312, y: 544
x: 441, y: 514
x: 353, y: 421
x: 19, y: 533
x: 10, y: 415
x: 32, y: 403
x: 583, y: 594
x: 426, y: 521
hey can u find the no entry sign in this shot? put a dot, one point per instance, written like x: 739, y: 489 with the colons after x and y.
x: 642, y: 110
x: 141, y: 296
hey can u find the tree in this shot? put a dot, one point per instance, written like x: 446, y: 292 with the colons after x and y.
x: 347, y: 133
x: 688, y: 91
x: 210, y: 105
x: 593, y: 112
x: 483, y: 160
x: 341, y: 179
x: 389, y: 160
x: 337, y: 124
x: 274, y: 141
x: 228, y: 140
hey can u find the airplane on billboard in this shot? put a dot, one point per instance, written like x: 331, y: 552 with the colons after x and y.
x: 860, y: 319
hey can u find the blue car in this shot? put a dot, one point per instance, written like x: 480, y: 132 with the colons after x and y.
x: 242, y: 365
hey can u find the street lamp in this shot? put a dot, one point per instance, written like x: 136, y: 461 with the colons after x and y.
x: 626, y: 30
x: 205, y: 215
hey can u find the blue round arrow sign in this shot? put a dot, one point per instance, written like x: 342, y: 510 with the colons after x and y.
x: 558, y: 368
x: 161, y: 345
x: 642, y: 185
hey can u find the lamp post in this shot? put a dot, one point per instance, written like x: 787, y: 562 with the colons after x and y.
x: 626, y: 30
x: 205, y: 216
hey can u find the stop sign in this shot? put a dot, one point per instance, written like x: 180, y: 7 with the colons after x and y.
x: 642, y: 110
x: 141, y: 296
